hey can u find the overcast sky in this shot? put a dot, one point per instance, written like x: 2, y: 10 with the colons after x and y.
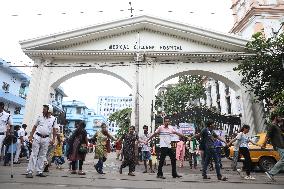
x: 26, y: 19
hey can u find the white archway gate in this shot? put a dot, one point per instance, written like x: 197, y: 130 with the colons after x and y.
x: 143, y: 52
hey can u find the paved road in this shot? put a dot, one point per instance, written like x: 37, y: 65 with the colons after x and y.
x: 60, y: 179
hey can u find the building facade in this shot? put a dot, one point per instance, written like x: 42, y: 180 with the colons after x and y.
x: 14, y: 90
x: 251, y: 16
x: 94, y: 122
x: 77, y: 111
x: 107, y: 105
x: 56, y: 99
x: 14, y: 85
x: 221, y: 97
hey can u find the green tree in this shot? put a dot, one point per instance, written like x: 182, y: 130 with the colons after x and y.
x: 263, y: 73
x: 122, y: 120
x: 183, y: 94
x: 278, y: 100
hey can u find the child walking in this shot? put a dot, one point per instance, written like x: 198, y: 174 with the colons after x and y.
x: 58, y: 152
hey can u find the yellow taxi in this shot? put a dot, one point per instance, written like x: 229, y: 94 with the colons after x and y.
x: 264, y: 158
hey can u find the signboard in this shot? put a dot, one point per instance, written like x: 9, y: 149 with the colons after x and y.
x: 145, y: 47
x: 187, y: 128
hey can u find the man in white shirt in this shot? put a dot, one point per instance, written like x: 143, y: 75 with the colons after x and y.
x: 5, y: 124
x: 146, y: 149
x: 20, y: 141
x: 41, y: 139
x: 165, y: 132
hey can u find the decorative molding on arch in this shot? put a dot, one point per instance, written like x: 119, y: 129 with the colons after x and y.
x: 165, y: 27
x: 188, y: 57
x: 130, y: 55
x: 79, y: 71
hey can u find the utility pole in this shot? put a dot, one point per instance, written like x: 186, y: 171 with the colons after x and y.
x: 137, y: 60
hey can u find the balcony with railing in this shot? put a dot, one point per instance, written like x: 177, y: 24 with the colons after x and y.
x: 11, y: 98
x: 72, y: 116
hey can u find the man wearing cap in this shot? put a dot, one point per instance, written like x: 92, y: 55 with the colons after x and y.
x: 5, y: 124
x: 40, y: 135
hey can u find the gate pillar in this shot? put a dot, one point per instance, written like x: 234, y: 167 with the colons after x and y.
x: 38, y: 94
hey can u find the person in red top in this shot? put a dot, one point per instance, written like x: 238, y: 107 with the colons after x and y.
x: 118, y: 147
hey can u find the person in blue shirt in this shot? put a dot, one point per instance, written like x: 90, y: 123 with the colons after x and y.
x: 218, y: 145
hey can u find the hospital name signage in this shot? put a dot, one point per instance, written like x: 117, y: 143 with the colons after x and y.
x: 146, y: 47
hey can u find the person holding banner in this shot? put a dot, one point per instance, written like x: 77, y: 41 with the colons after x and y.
x: 165, y: 132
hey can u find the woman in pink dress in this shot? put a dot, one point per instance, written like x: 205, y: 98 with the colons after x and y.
x: 180, y: 152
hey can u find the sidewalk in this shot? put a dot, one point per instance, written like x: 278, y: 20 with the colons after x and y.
x: 64, y: 178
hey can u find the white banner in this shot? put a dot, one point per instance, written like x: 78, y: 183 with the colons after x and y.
x: 187, y: 128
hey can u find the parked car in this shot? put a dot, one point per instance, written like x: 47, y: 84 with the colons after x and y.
x: 263, y: 158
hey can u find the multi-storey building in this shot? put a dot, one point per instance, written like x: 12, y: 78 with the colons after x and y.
x: 94, y: 122
x: 77, y: 111
x: 57, y: 99
x: 251, y: 16
x: 14, y: 86
x: 107, y: 105
x: 14, y: 90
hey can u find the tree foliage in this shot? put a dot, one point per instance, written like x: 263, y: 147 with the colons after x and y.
x: 278, y: 100
x: 263, y: 73
x: 178, y: 97
x: 122, y: 120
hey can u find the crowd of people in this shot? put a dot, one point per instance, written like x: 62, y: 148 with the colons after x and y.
x: 46, y: 145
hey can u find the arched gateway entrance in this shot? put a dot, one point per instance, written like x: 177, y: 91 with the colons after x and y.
x: 143, y: 52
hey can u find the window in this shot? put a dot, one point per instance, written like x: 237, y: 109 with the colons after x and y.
x: 17, y: 110
x: 78, y: 110
x: 6, y: 86
x: 22, y: 90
